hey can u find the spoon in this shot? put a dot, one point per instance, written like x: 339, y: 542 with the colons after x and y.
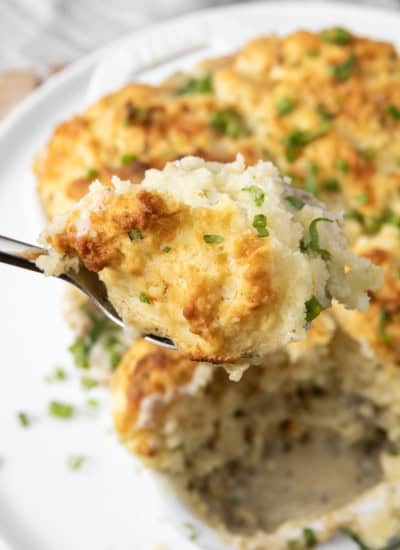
x: 23, y: 255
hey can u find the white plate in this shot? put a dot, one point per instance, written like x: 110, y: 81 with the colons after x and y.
x: 109, y: 504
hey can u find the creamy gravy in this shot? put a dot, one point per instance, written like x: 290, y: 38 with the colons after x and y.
x: 297, y: 480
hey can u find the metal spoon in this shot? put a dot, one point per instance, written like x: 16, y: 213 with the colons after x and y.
x: 23, y: 255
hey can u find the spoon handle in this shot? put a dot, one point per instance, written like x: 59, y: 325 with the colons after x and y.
x: 19, y: 254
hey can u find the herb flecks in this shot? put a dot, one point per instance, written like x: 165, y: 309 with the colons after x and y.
x: 201, y: 85
x: 260, y: 224
x: 313, y: 243
x: 75, y: 462
x: 144, y: 298
x: 285, y: 106
x: 295, y: 201
x: 336, y: 35
x: 211, y: 239
x: 229, y: 122
x: 58, y: 375
x: 384, y: 319
x: 23, y: 419
x: 134, y: 114
x: 61, y: 410
x: 310, y: 183
x: 191, y: 530
x: 135, y: 235
x: 128, y: 159
x: 313, y: 309
x: 298, y: 139
x: 393, y: 112
x: 330, y: 185
x: 88, y: 383
x: 166, y: 249
x: 257, y: 194
x: 343, y: 71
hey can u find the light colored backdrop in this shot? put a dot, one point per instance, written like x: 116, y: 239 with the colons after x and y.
x: 41, y: 33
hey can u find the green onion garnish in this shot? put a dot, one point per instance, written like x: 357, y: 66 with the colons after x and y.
x: 75, y: 462
x: 313, y: 309
x: 166, y: 249
x: 297, y: 203
x: 330, y: 185
x: 23, y: 419
x: 61, y: 410
x: 324, y: 113
x: 135, y: 235
x: 342, y: 165
x: 384, y: 318
x: 362, y: 198
x: 57, y: 375
x: 256, y: 193
x: 297, y: 139
x: 209, y: 239
x: 285, y: 106
x: 88, y: 383
x: 393, y: 111
x: 144, y: 298
x: 229, y: 122
x: 313, y: 244
x: 343, y: 71
x: 260, y: 224
x: 336, y: 35
x: 202, y: 85
x: 128, y: 159
x: 309, y: 537
x: 310, y: 183
x: 92, y: 174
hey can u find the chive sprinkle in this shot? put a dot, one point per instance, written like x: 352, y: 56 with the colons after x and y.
x: 75, y: 462
x: 144, y: 298
x: 228, y: 122
x: 362, y: 198
x: 166, y: 249
x: 297, y: 139
x: 260, y: 224
x: 336, y: 35
x: 330, y: 185
x: 92, y: 402
x: 134, y: 114
x: 313, y: 309
x: 202, y: 85
x: 295, y: 201
x: 324, y: 113
x: 285, y: 106
x: 135, y: 235
x: 256, y: 193
x: 128, y: 159
x: 393, y: 111
x: 23, y: 419
x: 57, y: 375
x: 342, y: 165
x: 60, y: 410
x: 310, y: 183
x: 314, y: 239
x: 88, y: 383
x: 191, y: 531
x: 92, y: 174
x: 209, y: 239
x: 343, y: 71
x: 309, y: 537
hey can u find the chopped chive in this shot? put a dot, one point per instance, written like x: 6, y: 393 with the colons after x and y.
x: 166, y: 249
x: 202, y: 85
x: 330, y: 185
x: 260, y: 224
x: 384, y: 318
x: 135, y: 235
x: 297, y: 139
x: 57, y: 375
x: 355, y: 215
x: 23, y: 419
x: 144, y: 298
x: 295, y: 201
x: 92, y: 402
x: 229, y: 122
x: 393, y: 111
x: 209, y: 239
x: 313, y: 309
x: 91, y: 174
x: 362, y: 198
x: 88, y: 383
x: 134, y: 114
x: 314, y: 239
x: 342, y: 165
x: 75, y: 462
x: 324, y: 113
x: 285, y: 106
x: 128, y: 159
x: 343, y: 71
x: 256, y: 193
x: 192, y: 533
x: 113, y: 347
x: 367, y: 153
x: 60, y: 410
x: 336, y: 35
x: 310, y: 183
x: 309, y: 537
x: 355, y: 538
x: 312, y: 52
x: 80, y: 352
